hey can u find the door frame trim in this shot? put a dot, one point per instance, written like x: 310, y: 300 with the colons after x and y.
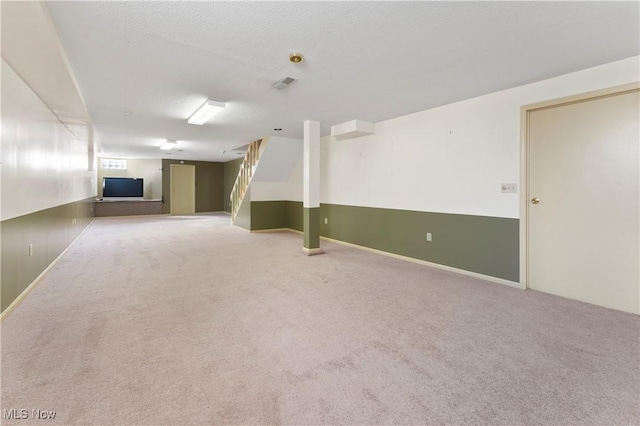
x: 193, y: 168
x: 525, y: 112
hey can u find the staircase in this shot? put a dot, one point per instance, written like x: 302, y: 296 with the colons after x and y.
x: 247, y: 170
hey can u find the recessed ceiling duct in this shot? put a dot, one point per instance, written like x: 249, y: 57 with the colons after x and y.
x: 352, y: 129
x: 283, y: 82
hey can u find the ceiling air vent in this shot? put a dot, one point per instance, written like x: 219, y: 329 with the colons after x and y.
x: 283, y: 82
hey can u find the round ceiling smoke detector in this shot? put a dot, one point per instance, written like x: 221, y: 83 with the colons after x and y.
x: 296, y: 58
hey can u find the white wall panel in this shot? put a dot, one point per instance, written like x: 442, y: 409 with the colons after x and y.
x: 269, y: 191
x: 43, y: 164
x: 295, y: 188
x: 278, y: 159
x: 453, y: 158
x: 291, y: 190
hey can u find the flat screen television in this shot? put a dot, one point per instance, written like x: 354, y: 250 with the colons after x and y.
x: 122, y: 188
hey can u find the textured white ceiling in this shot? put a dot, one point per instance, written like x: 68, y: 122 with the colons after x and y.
x: 144, y: 67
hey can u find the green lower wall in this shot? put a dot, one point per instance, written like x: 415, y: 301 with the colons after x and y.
x: 276, y: 215
x: 311, y: 225
x: 486, y: 245
x: 268, y: 215
x: 209, y: 185
x: 295, y: 219
x: 50, y: 231
x: 243, y: 217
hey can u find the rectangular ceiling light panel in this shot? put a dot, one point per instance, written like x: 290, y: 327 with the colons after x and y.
x: 205, y: 112
x: 169, y: 145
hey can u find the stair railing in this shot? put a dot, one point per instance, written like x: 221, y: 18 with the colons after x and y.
x: 245, y: 174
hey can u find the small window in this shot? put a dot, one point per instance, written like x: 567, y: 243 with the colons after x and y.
x: 112, y: 163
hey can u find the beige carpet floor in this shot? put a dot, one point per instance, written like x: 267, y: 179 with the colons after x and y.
x: 169, y: 320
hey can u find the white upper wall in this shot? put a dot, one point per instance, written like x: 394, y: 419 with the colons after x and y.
x: 43, y: 163
x: 450, y: 159
x: 269, y: 191
x: 278, y: 159
x: 32, y: 47
x: 279, y: 172
x: 275, y: 191
x: 295, y: 187
x: 47, y: 136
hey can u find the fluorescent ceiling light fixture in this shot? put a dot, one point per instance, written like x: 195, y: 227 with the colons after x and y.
x: 205, y: 112
x: 169, y: 145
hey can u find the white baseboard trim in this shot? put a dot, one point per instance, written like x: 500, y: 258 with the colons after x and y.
x: 240, y: 227
x: 35, y: 282
x: 312, y: 251
x: 264, y: 231
x: 434, y: 265
x: 142, y: 216
x: 497, y: 280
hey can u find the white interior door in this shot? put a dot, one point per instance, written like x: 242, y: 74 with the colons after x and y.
x: 183, y: 189
x: 584, y: 230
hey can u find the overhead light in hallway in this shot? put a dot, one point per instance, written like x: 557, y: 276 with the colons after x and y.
x: 169, y: 145
x: 296, y: 58
x: 205, y: 112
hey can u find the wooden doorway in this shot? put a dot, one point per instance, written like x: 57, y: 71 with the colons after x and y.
x: 580, y: 233
x: 183, y: 189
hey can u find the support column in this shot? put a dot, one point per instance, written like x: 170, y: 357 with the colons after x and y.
x: 311, y: 188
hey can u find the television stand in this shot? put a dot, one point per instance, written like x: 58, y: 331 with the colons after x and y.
x: 106, y: 208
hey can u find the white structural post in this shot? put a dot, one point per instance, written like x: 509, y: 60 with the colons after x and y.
x: 311, y: 188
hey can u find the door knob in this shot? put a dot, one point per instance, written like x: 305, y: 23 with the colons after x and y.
x: 535, y: 200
